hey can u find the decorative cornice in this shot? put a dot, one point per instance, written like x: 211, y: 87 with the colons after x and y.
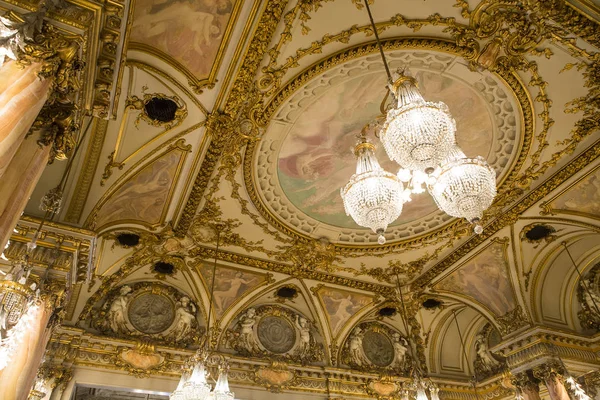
x: 268, y: 265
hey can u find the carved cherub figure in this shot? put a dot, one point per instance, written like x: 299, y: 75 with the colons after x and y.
x: 355, y: 348
x: 247, y: 339
x: 304, y: 327
x: 185, y: 319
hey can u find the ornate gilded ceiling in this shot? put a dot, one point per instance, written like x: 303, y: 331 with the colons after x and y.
x: 269, y: 97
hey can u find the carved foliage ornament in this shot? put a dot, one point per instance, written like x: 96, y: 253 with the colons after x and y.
x: 276, y: 333
x: 512, y: 321
x: 142, y: 104
x: 144, y: 309
x: 375, y: 346
x: 588, y: 315
x: 29, y: 39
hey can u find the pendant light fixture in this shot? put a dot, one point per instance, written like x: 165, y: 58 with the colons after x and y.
x: 195, y: 386
x: 421, y: 137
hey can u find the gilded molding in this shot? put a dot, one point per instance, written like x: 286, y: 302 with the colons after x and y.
x: 72, y: 347
x: 196, y: 84
x: 242, y: 85
x: 88, y: 169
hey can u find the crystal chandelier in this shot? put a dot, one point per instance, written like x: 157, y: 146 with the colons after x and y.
x: 417, y: 134
x: 195, y: 386
x: 19, y: 309
x: 464, y: 187
x: 420, y: 136
x: 373, y: 196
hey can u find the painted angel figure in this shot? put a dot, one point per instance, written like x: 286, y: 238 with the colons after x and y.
x: 185, y: 317
x: 247, y: 339
x: 118, y: 309
x: 304, y: 327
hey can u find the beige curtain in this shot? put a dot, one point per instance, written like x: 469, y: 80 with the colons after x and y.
x: 22, y: 96
x: 18, y: 377
x: 18, y: 183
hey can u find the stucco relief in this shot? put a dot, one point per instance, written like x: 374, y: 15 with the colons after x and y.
x: 275, y: 333
x: 372, y: 345
x: 148, y: 310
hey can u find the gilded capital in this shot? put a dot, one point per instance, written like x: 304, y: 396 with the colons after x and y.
x: 525, y: 382
x: 548, y: 371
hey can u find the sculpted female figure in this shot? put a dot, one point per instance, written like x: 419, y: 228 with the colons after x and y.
x: 118, y: 309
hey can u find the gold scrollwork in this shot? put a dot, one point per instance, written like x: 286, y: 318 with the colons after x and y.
x: 140, y: 104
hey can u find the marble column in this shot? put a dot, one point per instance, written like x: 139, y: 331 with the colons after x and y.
x: 19, y: 376
x: 22, y: 96
x: 552, y: 378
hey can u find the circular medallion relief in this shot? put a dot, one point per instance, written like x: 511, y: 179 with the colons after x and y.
x: 378, y: 348
x: 276, y: 334
x: 151, y: 313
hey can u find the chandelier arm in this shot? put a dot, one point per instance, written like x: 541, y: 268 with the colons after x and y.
x: 462, y: 343
x: 382, y: 106
x: 212, y: 291
x: 385, y: 64
x: 583, y: 283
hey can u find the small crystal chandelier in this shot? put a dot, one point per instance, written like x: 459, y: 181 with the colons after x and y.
x: 419, y: 384
x: 464, y: 187
x: 195, y: 386
x: 19, y: 308
x: 420, y: 136
x: 373, y: 196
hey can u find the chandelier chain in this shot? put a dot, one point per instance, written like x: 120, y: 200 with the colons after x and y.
x: 212, y: 291
x: 464, y: 352
x: 385, y: 64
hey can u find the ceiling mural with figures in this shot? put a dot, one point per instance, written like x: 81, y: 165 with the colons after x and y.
x: 321, y: 121
x: 316, y: 153
x: 203, y: 216
x: 193, y: 34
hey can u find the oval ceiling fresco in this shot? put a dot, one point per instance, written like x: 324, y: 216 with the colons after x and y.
x: 314, y: 132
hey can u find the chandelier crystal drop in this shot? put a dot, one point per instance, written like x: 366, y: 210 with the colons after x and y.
x: 373, y: 197
x: 417, y: 134
x: 464, y: 187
